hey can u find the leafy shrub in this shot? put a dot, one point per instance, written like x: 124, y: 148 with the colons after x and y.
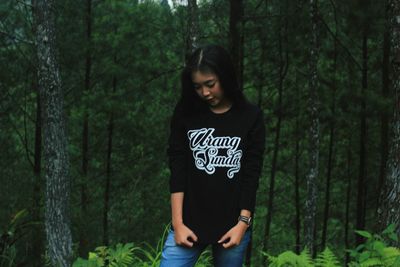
x: 120, y: 256
x: 375, y: 251
x: 128, y: 255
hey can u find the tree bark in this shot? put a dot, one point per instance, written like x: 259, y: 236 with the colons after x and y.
x: 348, y: 200
x: 331, y: 140
x: 83, y: 239
x: 312, y: 176
x: 390, y: 203
x: 58, y: 184
x: 361, y: 184
x: 37, y: 216
x: 108, y: 168
x: 193, y: 28
x: 236, y: 25
x: 297, y: 177
x: 38, y: 242
x: 384, y: 114
x: 349, y: 164
x: 283, y: 65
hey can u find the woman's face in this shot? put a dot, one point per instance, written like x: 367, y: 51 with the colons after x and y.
x: 208, y: 88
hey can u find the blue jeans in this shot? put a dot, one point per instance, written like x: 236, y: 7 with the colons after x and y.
x: 174, y: 255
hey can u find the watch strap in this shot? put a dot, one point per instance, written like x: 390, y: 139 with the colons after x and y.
x: 245, y: 219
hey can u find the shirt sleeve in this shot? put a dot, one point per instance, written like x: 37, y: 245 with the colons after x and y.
x: 176, y: 152
x: 252, y: 163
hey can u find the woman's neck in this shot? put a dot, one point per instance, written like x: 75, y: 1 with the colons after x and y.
x: 222, y: 107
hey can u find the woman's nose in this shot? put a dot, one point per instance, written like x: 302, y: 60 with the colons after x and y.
x: 205, y: 91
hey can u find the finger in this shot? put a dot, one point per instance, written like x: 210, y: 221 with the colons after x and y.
x: 187, y: 243
x: 224, y: 238
x: 193, y: 236
x: 227, y: 245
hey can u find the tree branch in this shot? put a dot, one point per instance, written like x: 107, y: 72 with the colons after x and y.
x: 340, y: 43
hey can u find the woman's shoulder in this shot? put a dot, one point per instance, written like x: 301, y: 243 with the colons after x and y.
x: 250, y: 108
x: 179, y: 107
x: 251, y: 114
x: 186, y: 110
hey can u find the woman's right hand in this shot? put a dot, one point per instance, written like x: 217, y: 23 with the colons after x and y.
x: 182, y: 235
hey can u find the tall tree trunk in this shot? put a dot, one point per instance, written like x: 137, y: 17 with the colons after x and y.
x: 348, y: 200
x: 37, y: 216
x: 361, y: 185
x: 384, y: 114
x: 108, y: 167
x: 349, y: 165
x: 258, y: 65
x: 331, y: 140
x: 192, y: 35
x: 259, y: 70
x: 390, y: 204
x: 58, y: 184
x: 283, y: 65
x: 83, y: 239
x: 236, y: 25
x: 297, y: 176
x: 38, y: 242
x: 311, y: 202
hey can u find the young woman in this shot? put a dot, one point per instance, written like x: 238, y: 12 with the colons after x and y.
x: 215, y: 152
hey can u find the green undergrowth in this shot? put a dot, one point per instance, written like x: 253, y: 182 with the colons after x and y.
x: 375, y: 251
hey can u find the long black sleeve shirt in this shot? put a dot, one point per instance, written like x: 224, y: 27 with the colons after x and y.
x: 216, y: 160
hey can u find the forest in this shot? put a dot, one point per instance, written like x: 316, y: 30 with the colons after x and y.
x: 88, y: 88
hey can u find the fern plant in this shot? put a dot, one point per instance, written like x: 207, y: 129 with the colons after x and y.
x: 325, y: 258
x: 127, y: 255
x: 290, y: 259
x: 120, y: 256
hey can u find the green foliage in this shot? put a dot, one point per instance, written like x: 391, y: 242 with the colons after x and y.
x: 119, y: 256
x: 285, y: 258
x: 149, y: 256
x: 290, y: 259
x: 375, y: 251
x: 127, y: 255
x: 326, y: 259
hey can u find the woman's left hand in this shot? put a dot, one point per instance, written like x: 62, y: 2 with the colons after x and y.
x: 235, y: 235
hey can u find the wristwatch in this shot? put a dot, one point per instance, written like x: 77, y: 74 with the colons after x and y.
x: 245, y: 219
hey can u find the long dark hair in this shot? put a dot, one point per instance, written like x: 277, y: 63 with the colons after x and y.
x: 214, y: 59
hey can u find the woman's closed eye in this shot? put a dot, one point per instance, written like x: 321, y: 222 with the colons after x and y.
x: 208, y: 84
